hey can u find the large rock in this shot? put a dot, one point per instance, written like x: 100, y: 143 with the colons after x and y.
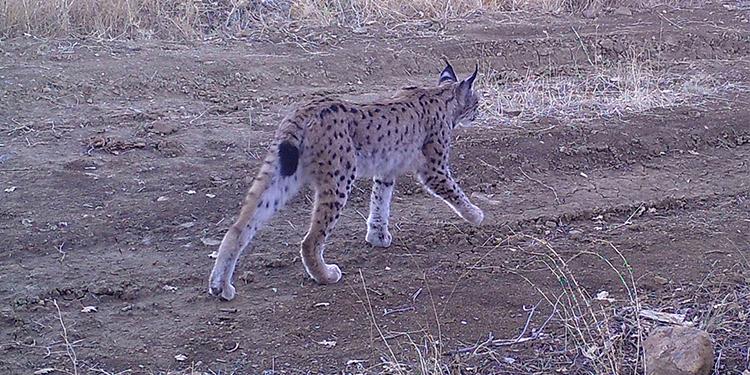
x: 678, y: 351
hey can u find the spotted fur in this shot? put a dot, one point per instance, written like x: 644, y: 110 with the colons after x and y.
x: 328, y: 143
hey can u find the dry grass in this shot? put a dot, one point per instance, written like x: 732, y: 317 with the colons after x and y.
x: 359, y: 12
x: 198, y: 19
x: 606, y: 333
x: 591, y: 323
x: 112, y: 19
x: 574, y: 327
x: 629, y: 87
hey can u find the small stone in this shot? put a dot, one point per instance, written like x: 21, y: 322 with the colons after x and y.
x: 678, y: 351
x: 623, y: 11
x: 163, y: 128
x: 550, y: 224
x: 661, y: 280
x: 210, y: 241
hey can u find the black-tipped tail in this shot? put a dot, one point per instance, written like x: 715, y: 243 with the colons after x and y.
x: 288, y: 158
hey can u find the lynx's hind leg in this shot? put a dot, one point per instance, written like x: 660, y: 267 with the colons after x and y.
x: 380, y: 209
x: 332, y: 188
x: 267, y: 195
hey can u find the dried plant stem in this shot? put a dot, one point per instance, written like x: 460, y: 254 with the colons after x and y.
x: 68, y: 346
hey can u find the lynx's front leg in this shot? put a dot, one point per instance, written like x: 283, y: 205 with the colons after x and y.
x: 439, y: 182
x: 380, y: 209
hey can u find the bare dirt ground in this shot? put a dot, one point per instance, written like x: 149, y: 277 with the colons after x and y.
x: 123, y: 163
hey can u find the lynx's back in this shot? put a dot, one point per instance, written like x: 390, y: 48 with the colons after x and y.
x: 386, y: 136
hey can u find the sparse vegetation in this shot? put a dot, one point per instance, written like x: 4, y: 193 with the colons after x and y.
x: 197, y: 19
x: 606, y: 331
x: 76, y: 115
x: 572, y: 327
x: 598, y: 92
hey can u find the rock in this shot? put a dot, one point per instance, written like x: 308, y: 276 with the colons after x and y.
x: 661, y: 280
x: 623, y: 11
x: 163, y: 128
x: 576, y: 235
x: 678, y: 351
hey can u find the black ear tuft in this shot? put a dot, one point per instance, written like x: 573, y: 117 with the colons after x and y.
x: 448, y: 75
x: 471, y: 79
x: 465, y: 86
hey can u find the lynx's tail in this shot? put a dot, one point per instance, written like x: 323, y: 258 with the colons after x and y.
x: 288, y: 158
x: 276, y: 183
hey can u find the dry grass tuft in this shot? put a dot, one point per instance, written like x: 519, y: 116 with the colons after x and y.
x: 591, y: 324
x: 603, y: 333
x: 606, y: 92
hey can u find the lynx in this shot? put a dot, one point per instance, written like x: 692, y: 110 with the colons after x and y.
x: 328, y: 143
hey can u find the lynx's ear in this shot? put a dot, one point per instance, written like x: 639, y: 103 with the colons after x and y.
x: 448, y: 75
x: 471, y: 79
x: 465, y: 86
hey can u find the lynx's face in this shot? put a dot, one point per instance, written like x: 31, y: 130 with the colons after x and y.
x: 466, y: 99
x: 467, y: 111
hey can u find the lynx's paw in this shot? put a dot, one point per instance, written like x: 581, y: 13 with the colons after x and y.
x: 473, y: 215
x: 378, y: 237
x: 331, y: 274
x: 221, y: 288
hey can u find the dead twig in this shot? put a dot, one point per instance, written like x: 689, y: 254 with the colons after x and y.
x: 492, y: 342
x: 236, y: 346
x: 15, y: 169
x: 68, y: 346
x: 557, y: 199
x: 473, y: 348
x: 531, y: 311
x: 670, y: 21
x: 60, y: 250
x: 397, y: 310
x: 585, y: 50
x: 416, y: 295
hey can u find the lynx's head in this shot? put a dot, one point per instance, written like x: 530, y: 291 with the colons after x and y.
x: 465, y: 100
